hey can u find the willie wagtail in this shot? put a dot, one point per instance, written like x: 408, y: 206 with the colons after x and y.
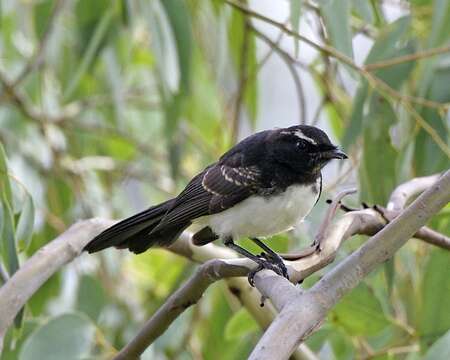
x: 264, y: 185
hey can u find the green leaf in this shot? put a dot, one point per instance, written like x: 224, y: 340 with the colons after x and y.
x: 440, y: 349
x: 212, y: 331
x: 2, y: 219
x: 440, y: 26
x: 237, y: 34
x: 360, y: 312
x: 41, y: 15
x: 386, y: 44
x: 354, y: 128
x: 240, y: 324
x: 428, y: 157
x: 378, y: 170
x: 434, y: 315
x: 393, y: 42
x: 363, y: 10
x: 180, y: 23
x: 68, y: 337
x: 91, y: 297
x: 9, y: 251
x: 5, y: 186
x: 336, y: 15
x: 389, y: 273
x: 25, y: 224
x: 47, y: 292
x: 295, y: 20
x: 92, y: 49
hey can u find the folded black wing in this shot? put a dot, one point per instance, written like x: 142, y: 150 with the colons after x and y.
x: 218, y: 188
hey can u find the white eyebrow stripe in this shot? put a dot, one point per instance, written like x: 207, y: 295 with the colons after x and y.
x: 300, y: 135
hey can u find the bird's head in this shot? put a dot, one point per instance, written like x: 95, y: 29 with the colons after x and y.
x: 306, y: 149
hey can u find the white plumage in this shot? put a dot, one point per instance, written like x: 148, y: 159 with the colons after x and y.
x: 259, y: 216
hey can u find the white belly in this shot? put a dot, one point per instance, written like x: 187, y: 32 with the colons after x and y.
x: 262, y: 217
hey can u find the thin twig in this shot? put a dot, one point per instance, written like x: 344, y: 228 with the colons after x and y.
x: 330, y: 214
x: 319, y: 109
x: 407, y: 58
x: 289, y: 61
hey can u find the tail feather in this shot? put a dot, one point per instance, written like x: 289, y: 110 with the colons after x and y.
x: 133, y: 232
x: 142, y: 240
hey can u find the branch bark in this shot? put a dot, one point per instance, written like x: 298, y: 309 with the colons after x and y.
x: 306, y: 311
x: 43, y: 264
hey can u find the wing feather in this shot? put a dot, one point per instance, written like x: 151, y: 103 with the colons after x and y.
x: 219, y: 187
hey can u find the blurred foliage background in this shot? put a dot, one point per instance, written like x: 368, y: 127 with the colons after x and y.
x: 107, y: 107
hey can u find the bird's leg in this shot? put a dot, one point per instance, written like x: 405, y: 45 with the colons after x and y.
x: 262, y: 263
x: 272, y: 256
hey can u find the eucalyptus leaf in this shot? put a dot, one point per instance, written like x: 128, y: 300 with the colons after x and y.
x: 9, y: 250
x: 25, y: 224
x: 393, y: 42
x: 68, y: 336
x: 5, y: 186
x: 42, y: 12
x: 379, y: 156
x: 360, y: 312
x: 440, y: 26
x: 364, y: 10
x: 89, y: 54
x: 440, y: 349
x: 240, y: 324
x: 434, y: 315
x: 180, y: 23
x: 91, y: 297
x: 354, y: 128
x: 336, y: 15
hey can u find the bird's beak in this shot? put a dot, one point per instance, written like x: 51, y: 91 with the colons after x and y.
x: 335, y: 154
x: 339, y: 154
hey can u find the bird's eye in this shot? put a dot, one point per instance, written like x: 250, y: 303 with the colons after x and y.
x: 301, y: 145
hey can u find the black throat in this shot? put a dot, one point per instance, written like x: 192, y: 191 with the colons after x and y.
x: 278, y: 177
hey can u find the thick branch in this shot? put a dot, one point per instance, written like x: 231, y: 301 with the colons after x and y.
x: 407, y: 190
x: 306, y: 311
x: 43, y: 264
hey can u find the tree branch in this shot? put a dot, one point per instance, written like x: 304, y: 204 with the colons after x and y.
x: 43, y: 264
x: 289, y: 61
x: 407, y: 58
x: 305, y: 312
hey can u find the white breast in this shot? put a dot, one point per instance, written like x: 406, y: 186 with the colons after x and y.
x: 259, y: 216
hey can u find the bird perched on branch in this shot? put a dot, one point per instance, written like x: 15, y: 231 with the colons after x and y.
x: 264, y: 185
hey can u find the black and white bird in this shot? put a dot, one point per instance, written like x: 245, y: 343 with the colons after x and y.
x: 263, y: 186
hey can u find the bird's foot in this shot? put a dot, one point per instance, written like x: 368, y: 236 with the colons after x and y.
x: 268, y: 262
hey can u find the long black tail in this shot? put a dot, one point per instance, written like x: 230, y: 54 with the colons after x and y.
x: 134, y: 232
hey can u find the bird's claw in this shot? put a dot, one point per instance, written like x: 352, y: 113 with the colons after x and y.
x: 276, y: 265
